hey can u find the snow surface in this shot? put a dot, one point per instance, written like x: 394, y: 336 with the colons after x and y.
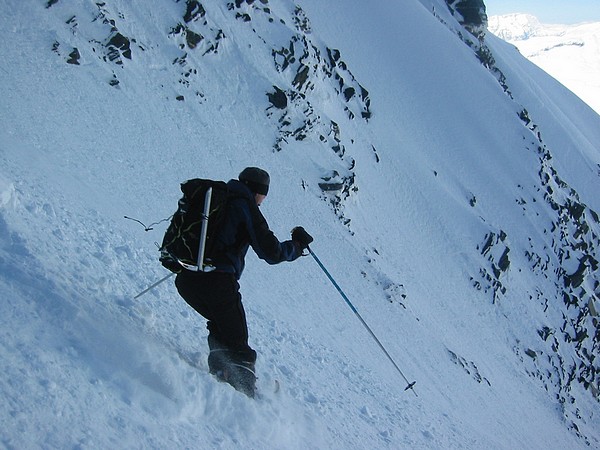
x: 570, y: 53
x: 84, y: 365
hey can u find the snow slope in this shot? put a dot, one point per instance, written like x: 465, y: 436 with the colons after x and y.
x: 436, y: 162
x: 570, y: 53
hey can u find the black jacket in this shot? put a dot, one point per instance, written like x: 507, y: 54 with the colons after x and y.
x: 245, y: 226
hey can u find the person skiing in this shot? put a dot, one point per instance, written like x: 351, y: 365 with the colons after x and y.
x: 215, y: 295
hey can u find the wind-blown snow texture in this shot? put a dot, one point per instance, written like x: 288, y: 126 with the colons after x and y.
x: 450, y: 186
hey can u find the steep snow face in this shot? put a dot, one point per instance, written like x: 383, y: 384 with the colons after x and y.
x: 450, y: 185
x: 570, y: 53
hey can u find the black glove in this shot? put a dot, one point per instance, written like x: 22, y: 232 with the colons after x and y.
x: 301, y: 237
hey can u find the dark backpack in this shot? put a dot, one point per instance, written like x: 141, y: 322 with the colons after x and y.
x: 183, y: 239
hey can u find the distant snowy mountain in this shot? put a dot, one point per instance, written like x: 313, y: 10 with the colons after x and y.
x: 570, y: 53
x: 451, y: 187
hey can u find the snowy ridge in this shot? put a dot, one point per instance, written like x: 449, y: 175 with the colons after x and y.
x: 450, y: 185
x: 518, y: 27
x: 570, y: 53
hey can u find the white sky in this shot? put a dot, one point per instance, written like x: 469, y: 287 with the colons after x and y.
x: 549, y: 11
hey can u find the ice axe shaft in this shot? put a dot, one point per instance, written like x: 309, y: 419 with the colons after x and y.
x: 149, y: 288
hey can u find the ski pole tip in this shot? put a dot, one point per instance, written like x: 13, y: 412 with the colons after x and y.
x: 411, y: 387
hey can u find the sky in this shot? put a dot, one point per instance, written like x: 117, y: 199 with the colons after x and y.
x: 548, y: 11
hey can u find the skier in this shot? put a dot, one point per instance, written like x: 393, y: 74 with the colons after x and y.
x: 215, y: 295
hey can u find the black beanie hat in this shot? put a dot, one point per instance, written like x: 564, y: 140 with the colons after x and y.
x: 256, y: 179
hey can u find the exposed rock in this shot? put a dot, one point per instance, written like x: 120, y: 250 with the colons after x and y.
x: 74, y: 57
x: 192, y: 38
x: 193, y: 11
x: 495, y: 250
x: 471, y: 14
x: 332, y: 182
x: 118, y: 45
x: 469, y: 367
x: 278, y: 98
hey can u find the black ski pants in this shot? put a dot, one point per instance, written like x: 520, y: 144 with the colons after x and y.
x: 216, y: 296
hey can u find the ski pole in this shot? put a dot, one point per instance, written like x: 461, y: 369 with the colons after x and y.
x: 149, y: 288
x: 349, y: 303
